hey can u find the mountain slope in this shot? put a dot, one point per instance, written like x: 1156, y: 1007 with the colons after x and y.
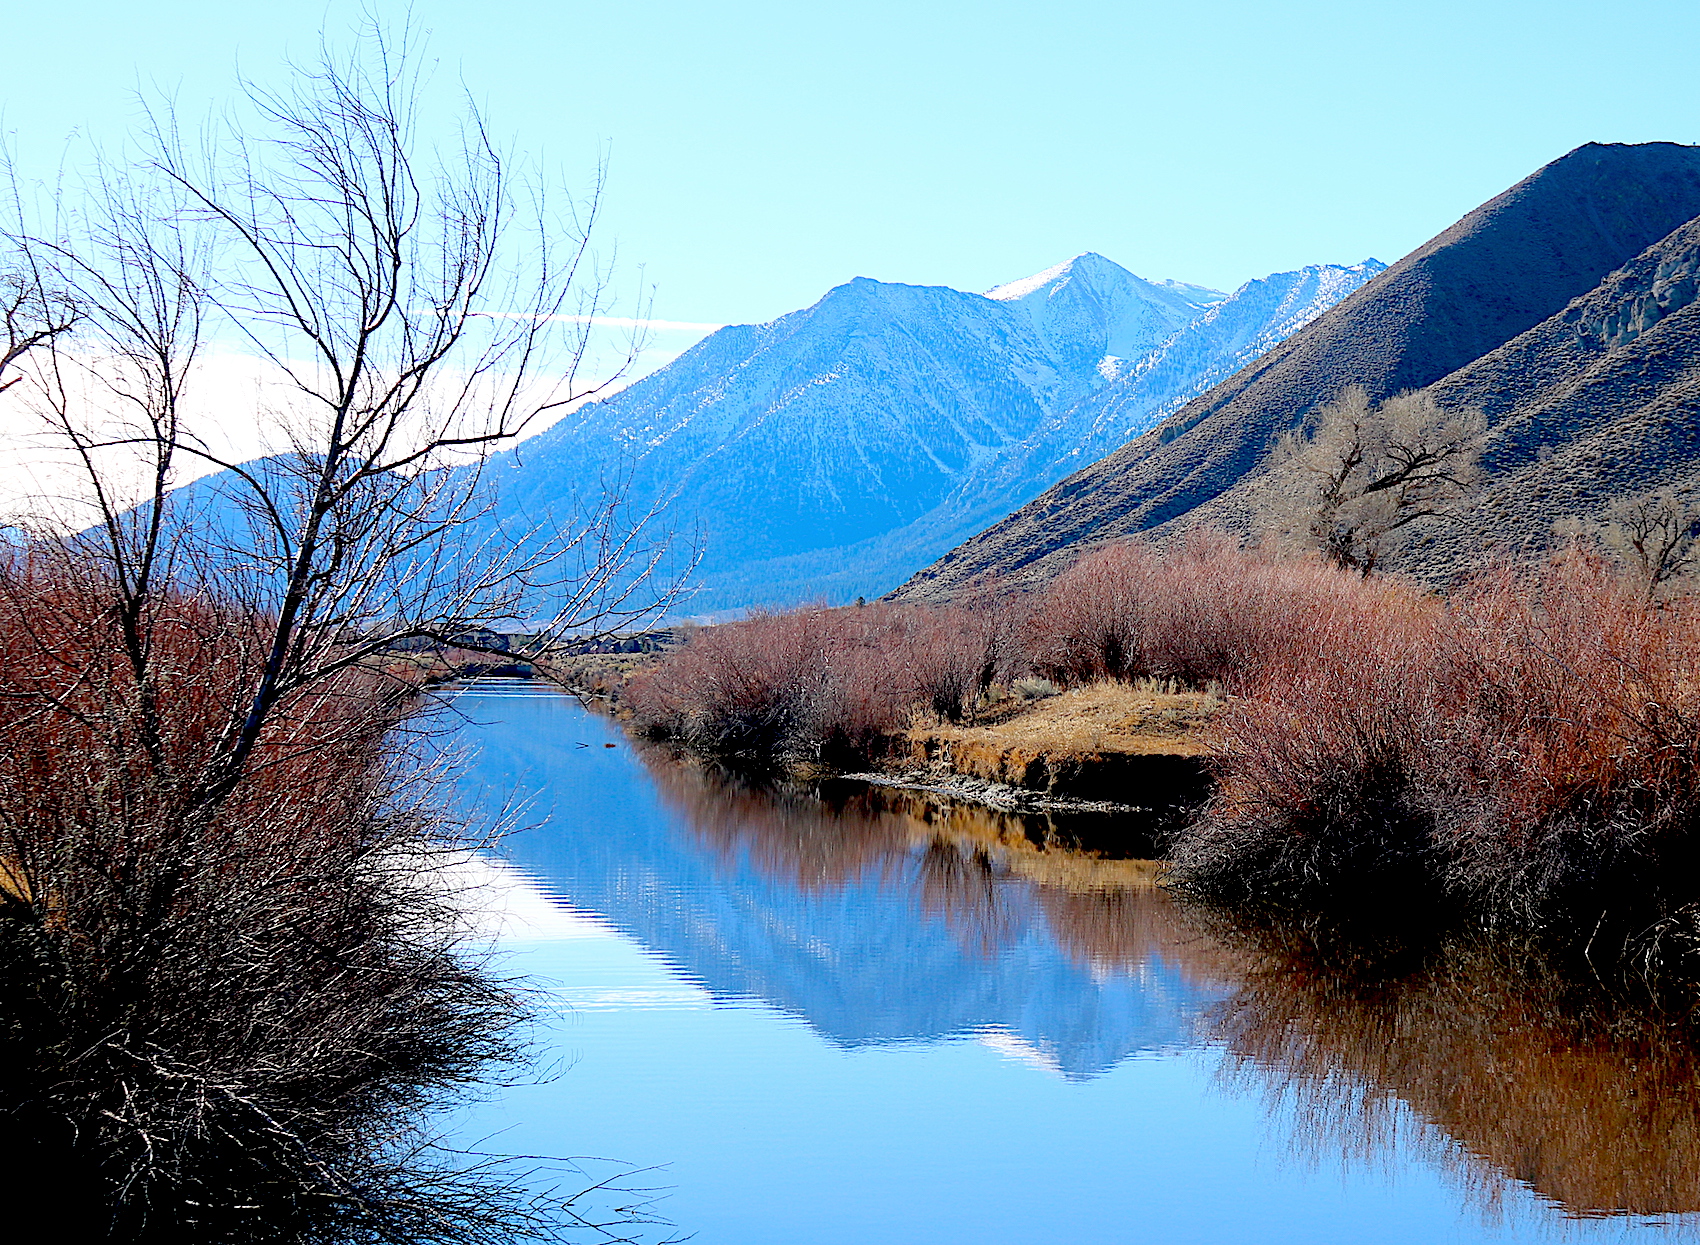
x: 1093, y: 314
x: 1499, y: 272
x: 1598, y: 402
x: 838, y: 424
x: 830, y: 453
x: 822, y: 428
x: 1255, y: 318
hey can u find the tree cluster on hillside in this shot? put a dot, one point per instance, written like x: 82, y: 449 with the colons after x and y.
x: 1655, y: 535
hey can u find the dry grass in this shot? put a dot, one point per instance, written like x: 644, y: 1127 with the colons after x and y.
x: 1140, y: 745
x: 1138, y: 718
x: 1527, y: 749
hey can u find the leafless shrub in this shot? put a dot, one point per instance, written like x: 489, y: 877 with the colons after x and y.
x: 1087, y: 624
x: 236, y: 985
x: 819, y: 684
x: 1528, y: 753
x: 225, y: 1028
x: 1315, y: 802
x: 1205, y: 612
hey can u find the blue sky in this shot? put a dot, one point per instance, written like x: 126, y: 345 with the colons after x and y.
x: 763, y: 152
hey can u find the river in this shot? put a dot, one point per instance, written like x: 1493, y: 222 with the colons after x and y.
x: 878, y: 1018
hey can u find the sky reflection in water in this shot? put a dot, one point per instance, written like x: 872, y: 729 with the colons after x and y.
x: 888, y: 1021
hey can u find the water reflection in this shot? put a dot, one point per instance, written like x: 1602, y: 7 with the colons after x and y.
x: 879, y: 918
x: 1587, y: 1099
x: 882, y: 917
x: 987, y: 875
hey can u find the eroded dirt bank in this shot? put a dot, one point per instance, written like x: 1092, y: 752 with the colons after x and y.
x: 1104, y: 743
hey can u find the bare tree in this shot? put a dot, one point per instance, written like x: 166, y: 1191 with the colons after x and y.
x: 35, y: 314
x: 1656, y: 536
x: 238, y: 978
x: 1368, y: 471
x: 419, y: 310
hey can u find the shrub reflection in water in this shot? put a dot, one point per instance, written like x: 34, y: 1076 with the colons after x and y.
x: 1517, y: 1066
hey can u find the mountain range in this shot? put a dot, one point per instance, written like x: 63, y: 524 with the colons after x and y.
x: 829, y: 453
x: 923, y: 439
x: 1564, y: 308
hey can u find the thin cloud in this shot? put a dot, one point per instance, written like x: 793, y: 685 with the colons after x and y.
x: 619, y: 322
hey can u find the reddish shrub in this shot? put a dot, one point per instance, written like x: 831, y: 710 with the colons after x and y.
x: 1528, y: 747
x: 822, y: 683
x: 218, y: 1013
x: 1566, y: 767
x: 1530, y: 751
x: 1316, y: 797
x: 1207, y: 611
x: 1092, y: 621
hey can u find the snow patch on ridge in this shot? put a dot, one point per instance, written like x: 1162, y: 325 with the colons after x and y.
x: 1012, y: 290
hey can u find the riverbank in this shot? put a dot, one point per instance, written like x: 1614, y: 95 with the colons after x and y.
x: 1122, y: 745
x: 1105, y: 747
x: 1522, y: 750
x: 860, y: 947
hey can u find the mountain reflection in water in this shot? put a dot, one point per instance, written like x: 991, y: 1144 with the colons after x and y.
x: 880, y: 916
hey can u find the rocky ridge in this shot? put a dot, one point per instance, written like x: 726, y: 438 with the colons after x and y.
x: 827, y: 454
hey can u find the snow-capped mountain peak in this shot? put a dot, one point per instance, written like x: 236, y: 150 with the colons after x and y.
x: 1089, y: 309
x: 1055, y: 275
x: 1091, y: 271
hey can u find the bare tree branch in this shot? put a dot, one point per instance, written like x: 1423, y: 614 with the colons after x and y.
x: 1655, y: 536
x: 422, y: 309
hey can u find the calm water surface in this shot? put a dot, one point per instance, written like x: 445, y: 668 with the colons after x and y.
x: 876, y: 1019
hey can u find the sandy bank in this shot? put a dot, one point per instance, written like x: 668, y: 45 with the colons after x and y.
x: 1106, y: 743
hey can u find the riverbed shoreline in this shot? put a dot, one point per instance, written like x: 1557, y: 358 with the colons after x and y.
x: 1105, y: 747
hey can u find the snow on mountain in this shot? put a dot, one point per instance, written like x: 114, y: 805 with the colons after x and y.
x: 1091, y: 312
x: 829, y: 453
x: 822, y: 428
x: 1213, y: 346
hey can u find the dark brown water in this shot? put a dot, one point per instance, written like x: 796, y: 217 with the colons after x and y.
x: 877, y: 1017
